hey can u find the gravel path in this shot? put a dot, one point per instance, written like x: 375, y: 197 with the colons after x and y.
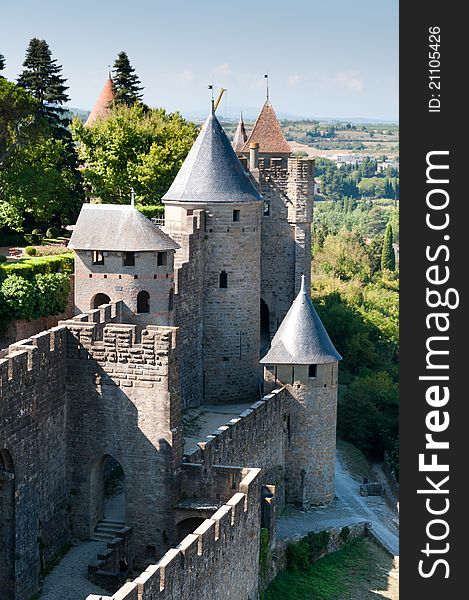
x: 347, y: 508
x: 68, y: 579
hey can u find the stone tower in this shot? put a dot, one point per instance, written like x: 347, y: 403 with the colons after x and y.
x: 213, y: 179
x: 287, y: 188
x: 101, y: 107
x: 304, y: 360
x: 122, y: 255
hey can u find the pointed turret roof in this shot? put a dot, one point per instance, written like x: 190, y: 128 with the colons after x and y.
x: 212, y: 171
x: 268, y: 133
x: 240, y: 136
x: 117, y: 227
x: 301, y: 338
x: 101, y: 107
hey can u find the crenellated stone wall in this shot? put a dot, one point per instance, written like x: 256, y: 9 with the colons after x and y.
x: 33, y: 468
x: 220, y: 559
x: 123, y: 401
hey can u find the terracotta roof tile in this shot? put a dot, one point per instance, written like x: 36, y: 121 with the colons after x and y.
x: 101, y: 107
x: 268, y: 133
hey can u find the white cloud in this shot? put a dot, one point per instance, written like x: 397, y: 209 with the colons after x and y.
x: 350, y: 80
x: 223, y: 69
x: 293, y: 80
x: 185, y: 77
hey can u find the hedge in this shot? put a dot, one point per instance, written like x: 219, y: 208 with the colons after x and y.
x: 39, y: 265
x: 153, y: 210
x: 34, y: 287
x: 42, y: 296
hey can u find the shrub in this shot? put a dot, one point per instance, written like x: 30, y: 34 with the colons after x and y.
x: 51, y: 250
x: 52, y: 232
x: 19, y: 298
x: 30, y: 251
x: 52, y: 293
x: 29, y: 267
x: 297, y: 556
x: 344, y: 534
x: 3, y: 259
x: 151, y: 211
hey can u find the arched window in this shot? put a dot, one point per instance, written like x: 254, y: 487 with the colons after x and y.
x: 100, y: 299
x: 223, y: 280
x: 143, y: 302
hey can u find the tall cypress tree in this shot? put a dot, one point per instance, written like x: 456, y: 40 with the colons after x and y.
x: 388, y: 258
x: 127, y: 88
x: 42, y: 78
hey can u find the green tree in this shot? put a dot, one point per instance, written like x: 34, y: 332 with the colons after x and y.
x: 126, y: 84
x: 17, y: 118
x: 37, y: 187
x: 42, y: 78
x: 134, y: 147
x: 388, y: 258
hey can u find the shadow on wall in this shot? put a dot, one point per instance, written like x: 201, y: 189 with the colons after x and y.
x: 115, y: 421
x: 7, y: 526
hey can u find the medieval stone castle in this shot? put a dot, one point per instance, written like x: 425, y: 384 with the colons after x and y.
x: 211, y: 308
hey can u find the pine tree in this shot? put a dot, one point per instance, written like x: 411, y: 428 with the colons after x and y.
x: 127, y: 88
x: 388, y: 258
x: 2, y: 63
x: 42, y: 78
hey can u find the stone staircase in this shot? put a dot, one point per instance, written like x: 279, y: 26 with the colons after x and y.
x: 106, y: 530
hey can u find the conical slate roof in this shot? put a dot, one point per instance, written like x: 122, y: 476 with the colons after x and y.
x: 240, y: 136
x: 101, y: 108
x: 212, y: 171
x: 268, y: 133
x: 117, y: 228
x: 301, y: 338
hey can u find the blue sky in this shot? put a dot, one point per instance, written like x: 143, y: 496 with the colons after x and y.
x: 334, y: 58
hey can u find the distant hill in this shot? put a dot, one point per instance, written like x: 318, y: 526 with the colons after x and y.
x: 77, y: 112
x: 250, y: 114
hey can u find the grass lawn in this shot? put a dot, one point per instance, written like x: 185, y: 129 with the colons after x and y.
x: 360, y: 571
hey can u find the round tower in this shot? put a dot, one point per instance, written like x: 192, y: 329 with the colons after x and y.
x: 122, y: 255
x: 213, y: 179
x: 303, y: 359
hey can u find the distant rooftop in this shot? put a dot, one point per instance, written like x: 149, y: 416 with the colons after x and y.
x: 101, y: 107
x: 212, y: 171
x: 119, y: 228
x: 267, y: 132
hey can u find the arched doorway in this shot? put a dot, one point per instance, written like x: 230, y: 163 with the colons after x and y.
x: 100, y: 299
x: 107, y: 496
x: 143, y: 302
x: 184, y: 528
x: 7, y: 526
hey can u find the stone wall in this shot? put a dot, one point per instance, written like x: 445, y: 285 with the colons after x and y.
x: 257, y: 438
x: 188, y: 303
x: 123, y: 401
x: 121, y: 283
x: 311, y: 448
x: 32, y: 426
x: 287, y: 190
x: 219, y: 560
x: 231, y: 317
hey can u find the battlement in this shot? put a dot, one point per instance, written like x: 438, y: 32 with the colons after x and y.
x: 232, y: 443
x: 98, y: 335
x: 31, y: 355
x: 210, y: 560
